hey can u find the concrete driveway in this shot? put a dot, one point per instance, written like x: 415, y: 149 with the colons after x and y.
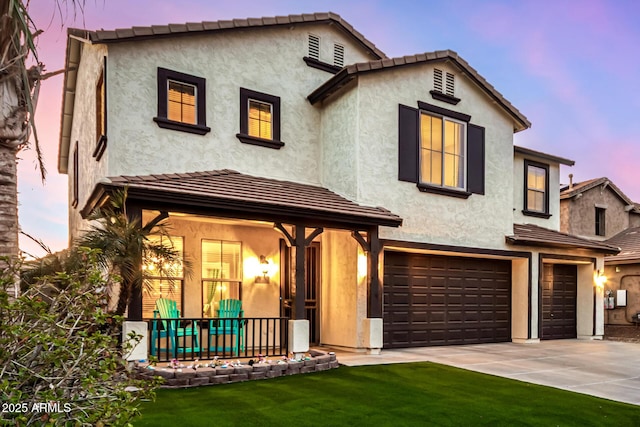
x: 607, y: 369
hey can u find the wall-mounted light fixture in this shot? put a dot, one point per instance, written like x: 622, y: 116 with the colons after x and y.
x: 600, y: 279
x: 265, y: 269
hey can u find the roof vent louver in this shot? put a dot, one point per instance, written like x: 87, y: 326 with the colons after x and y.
x: 450, y: 84
x: 338, y: 55
x: 437, y: 80
x: 314, y: 46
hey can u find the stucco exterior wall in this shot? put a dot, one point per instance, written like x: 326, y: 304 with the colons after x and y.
x: 519, y: 300
x: 343, y: 294
x: 624, y: 277
x: 84, y: 132
x: 553, y: 222
x: 580, y: 213
x: 480, y: 220
x: 339, y: 147
x: 265, y: 60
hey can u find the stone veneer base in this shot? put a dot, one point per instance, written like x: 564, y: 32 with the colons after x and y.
x: 182, y: 378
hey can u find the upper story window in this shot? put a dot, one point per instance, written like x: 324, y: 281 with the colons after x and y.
x: 600, y: 221
x: 101, y: 113
x: 442, y: 151
x: 259, y: 119
x: 536, y: 184
x: 101, y: 128
x: 181, y: 102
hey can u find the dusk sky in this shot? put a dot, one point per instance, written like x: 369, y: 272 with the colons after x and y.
x: 570, y: 66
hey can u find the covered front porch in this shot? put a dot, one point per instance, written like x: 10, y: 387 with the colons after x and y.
x: 302, y: 261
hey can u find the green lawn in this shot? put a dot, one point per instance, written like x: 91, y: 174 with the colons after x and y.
x: 384, y: 395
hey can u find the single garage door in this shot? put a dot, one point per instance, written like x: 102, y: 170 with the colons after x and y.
x: 559, y: 292
x: 444, y: 300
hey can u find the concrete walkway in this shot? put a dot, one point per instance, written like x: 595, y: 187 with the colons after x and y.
x: 606, y: 369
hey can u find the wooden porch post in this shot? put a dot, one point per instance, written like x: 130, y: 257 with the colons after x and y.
x: 375, y: 290
x: 134, y: 312
x: 298, y: 287
x: 372, y: 247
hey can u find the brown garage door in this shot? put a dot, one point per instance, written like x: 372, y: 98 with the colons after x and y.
x: 559, y: 291
x: 442, y: 300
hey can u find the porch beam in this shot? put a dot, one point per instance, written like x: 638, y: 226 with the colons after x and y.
x: 361, y: 241
x: 315, y: 233
x: 288, y: 237
x: 299, y: 296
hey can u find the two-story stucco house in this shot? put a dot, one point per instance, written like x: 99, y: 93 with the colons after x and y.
x: 374, y: 201
x: 598, y: 209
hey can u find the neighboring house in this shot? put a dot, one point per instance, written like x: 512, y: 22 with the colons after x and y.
x: 378, y: 202
x: 598, y: 209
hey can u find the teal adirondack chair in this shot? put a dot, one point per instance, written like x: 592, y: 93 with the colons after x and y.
x: 228, y: 327
x: 166, y: 327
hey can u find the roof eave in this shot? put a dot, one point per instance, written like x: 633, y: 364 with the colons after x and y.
x: 544, y: 156
x: 350, y: 72
x: 75, y: 39
x: 103, y: 190
x: 515, y: 240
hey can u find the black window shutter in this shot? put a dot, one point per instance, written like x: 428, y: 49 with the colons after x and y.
x: 408, y: 144
x: 475, y: 159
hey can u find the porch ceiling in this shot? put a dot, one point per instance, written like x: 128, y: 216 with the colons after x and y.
x: 232, y: 194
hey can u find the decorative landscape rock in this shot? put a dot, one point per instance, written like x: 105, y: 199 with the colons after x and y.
x: 177, y: 374
x: 205, y: 372
x: 219, y: 379
x: 199, y: 381
x: 258, y: 375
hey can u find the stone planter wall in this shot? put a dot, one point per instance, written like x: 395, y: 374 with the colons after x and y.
x: 189, y: 377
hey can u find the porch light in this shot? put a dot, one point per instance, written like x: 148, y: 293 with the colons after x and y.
x: 600, y: 279
x: 362, y: 264
x: 264, y: 269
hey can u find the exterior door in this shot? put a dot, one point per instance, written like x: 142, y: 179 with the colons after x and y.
x: 312, y: 287
x: 445, y: 300
x: 559, y: 292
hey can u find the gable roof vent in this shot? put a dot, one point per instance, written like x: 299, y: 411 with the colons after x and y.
x: 338, y: 55
x: 437, y: 80
x: 450, y: 84
x: 314, y: 46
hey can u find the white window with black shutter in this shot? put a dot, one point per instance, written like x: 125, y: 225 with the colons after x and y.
x: 440, y: 151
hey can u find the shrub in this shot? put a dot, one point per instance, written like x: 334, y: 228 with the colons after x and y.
x: 59, y: 355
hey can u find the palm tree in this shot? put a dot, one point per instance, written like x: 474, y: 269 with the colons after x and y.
x: 124, y: 243
x: 19, y: 87
x: 18, y: 94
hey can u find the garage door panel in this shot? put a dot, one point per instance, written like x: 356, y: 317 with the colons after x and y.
x: 454, y: 300
x: 559, y: 292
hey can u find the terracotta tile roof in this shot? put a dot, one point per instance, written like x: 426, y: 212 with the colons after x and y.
x: 351, y: 71
x: 580, y: 187
x: 550, y: 157
x: 533, y: 235
x: 137, y: 33
x: 629, y: 243
x: 228, y: 189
